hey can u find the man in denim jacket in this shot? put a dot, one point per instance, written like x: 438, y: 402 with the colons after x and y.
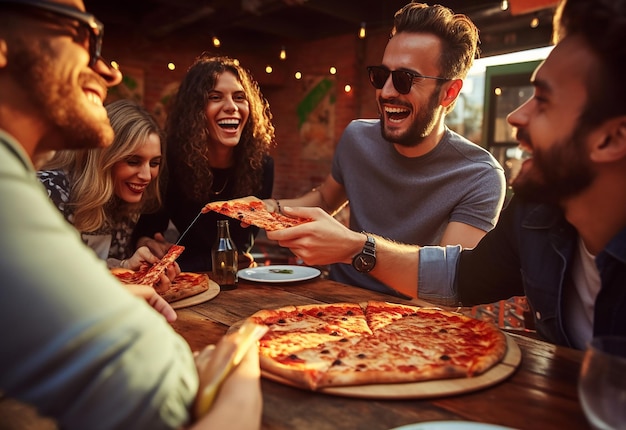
x: 562, y: 239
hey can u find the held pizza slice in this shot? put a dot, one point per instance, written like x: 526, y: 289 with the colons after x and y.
x: 153, y: 275
x: 252, y: 210
x: 185, y: 284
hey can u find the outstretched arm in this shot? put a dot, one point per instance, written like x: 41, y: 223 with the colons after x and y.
x: 330, y: 196
x: 325, y: 241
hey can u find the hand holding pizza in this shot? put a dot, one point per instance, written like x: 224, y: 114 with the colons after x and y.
x: 312, y: 241
x: 157, y: 245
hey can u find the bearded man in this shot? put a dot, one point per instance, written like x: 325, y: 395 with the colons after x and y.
x: 405, y: 175
x: 561, y: 241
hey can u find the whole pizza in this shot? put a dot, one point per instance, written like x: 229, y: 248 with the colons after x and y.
x: 345, y: 344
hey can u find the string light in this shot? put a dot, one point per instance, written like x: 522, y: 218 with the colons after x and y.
x: 298, y: 75
x: 504, y: 5
x: 347, y: 88
x: 333, y: 70
x: 362, y: 31
x: 216, y: 42
x: 283, y: 53
x: 171, y: 66
x: 268, y: 69
x: 534, y: 23
x: 115, y: 65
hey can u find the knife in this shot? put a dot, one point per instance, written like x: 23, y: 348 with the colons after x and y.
x: 187, y: 229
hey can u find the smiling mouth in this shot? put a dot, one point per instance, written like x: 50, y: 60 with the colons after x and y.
x: 229, y: 124
x: 396, y: 114
x: 137, y: 188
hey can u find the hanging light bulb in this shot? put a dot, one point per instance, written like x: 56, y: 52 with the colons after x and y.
x: 362, y: 31
x: 283, y: 53
x: 534, y: 23
x: 216, y: 41
x: 504, y: 5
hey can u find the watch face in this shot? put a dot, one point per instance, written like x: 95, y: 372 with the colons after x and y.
x: 364, y: 262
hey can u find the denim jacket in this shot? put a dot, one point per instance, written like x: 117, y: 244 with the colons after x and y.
x: 528, y: 253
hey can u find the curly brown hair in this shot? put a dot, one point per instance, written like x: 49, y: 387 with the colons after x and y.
x: 187, y: 133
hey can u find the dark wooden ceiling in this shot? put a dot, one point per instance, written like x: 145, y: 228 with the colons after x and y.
x: 250, y: 24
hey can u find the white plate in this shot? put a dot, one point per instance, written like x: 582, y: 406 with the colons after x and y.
x: 451, y: 425
x: 272, y: 273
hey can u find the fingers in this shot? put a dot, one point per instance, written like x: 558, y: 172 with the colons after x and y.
x: 160, y: 238
x: 161, y: 306
x: 167, y: 277
x: 305, y: 212
x: 154, y: 299
x: 163, y: 285
x: 157, y: 245
x: 146, y: 255
x: 143, y: 291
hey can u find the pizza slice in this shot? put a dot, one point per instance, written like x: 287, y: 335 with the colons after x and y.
x: 349, y: 317
x: 252, y: 210
x: 186, y: 284
x: 153, y: 275
x: 380, y: 314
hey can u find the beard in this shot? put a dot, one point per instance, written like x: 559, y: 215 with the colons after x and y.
x: 419, y: 129
x: 56, y: 100
x: 560, y: 172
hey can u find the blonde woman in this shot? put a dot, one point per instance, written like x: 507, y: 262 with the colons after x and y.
x: 103, y: 191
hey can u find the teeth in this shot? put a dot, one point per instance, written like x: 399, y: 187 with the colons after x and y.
x: 395, y: 110
x: 94, y: 98
x: 525, y: 155
x: 228, y: 122
x: 136, y: 187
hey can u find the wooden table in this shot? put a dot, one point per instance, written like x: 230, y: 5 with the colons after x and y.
x: 540, y: 394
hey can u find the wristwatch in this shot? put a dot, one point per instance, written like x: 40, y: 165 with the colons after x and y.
x: 366, y: 260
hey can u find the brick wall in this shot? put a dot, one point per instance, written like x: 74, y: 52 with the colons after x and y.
x: 296, y: 170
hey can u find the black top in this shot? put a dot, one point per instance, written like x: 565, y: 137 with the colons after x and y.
x: 182, y: 210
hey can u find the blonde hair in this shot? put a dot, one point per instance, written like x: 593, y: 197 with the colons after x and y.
x: 92, y: 201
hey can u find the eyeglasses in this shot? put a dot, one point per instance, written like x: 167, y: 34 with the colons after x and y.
x: 402, y: 79
x: 94, y: 27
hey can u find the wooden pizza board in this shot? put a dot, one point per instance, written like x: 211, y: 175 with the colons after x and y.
x: 204, y: 296
x: 426, y: 389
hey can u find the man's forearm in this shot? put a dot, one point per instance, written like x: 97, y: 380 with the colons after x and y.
x: 397, y: 265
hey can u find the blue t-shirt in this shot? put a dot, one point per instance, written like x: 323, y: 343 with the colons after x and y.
x: 412, y: 200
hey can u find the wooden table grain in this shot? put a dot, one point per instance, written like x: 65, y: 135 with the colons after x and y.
x: 541, y: 393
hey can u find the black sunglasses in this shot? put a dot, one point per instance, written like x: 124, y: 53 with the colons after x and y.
x: 94, y: 27
x: 402, y: 79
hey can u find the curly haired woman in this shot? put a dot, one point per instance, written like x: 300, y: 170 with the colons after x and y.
x: 219, y: 134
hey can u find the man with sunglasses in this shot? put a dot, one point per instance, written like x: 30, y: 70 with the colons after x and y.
x: 77, y: 345
x: 406, y: 176
x: 561, y: 241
